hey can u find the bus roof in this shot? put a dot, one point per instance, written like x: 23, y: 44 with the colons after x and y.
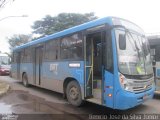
x: 75, y: 29
x: 3, y: 54
x: 67, y: 31
x: 154, y: 40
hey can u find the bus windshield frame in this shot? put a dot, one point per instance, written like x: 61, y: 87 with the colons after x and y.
x: 4, y: 60
x: 136, y: 58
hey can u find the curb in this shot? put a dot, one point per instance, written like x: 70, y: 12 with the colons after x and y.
x: 4, y: 87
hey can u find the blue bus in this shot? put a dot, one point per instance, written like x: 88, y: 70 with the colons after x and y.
x: 106, y: 61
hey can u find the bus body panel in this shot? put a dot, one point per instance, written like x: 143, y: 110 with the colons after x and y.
x: 109, y: 89
x: 28, y: 69
x: 54, y: 74
x: 53, y: 79
x: 112, y: 78
x: 125, y: 100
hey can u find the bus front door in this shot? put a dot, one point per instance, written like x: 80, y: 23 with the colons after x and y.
x: 38, y: 65
x: 93, y: 67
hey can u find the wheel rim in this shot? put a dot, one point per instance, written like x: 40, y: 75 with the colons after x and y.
x: 73, y: 92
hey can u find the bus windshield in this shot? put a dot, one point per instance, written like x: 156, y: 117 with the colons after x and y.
x: 135, y: 59
x: 4, y: 60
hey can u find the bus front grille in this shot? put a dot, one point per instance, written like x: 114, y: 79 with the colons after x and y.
x: 141, y: 85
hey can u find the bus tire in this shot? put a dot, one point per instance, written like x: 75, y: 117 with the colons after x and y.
x: 73, y: 93
x: 25, y: 80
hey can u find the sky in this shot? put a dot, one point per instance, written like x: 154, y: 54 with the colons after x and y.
x: 144, y: 13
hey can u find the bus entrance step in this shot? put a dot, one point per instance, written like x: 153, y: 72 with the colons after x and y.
x: 97, y: 93
x: 94, y: 100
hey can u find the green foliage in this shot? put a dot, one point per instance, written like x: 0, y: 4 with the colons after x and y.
x: 50, y: 25
x: 17, y: 40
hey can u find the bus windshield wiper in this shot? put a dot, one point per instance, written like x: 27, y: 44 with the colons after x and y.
x: 136, y: 46
x: 135, y: 43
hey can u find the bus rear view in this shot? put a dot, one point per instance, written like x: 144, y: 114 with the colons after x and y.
x: 106, y: 61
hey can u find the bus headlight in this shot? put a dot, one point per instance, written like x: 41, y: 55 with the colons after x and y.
x: 124, y: 83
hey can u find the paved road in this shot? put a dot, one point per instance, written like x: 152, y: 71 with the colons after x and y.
x: 44, y: 104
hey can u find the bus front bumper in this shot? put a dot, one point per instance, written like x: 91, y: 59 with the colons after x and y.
x: 125, y: 100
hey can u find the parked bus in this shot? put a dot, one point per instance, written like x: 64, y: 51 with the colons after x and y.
x: 154, y: 41
x: 4, y: 64
x: 105, y: 61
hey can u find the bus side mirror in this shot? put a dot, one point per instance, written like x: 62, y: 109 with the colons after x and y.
x: 122, y: 41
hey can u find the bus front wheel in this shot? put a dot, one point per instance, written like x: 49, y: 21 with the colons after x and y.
x: 25, y: 80
x: 73, y: 93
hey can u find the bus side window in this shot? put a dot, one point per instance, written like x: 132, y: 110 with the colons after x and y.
x: 15, y: 57
x: 12, y: 58
x: 27, y: 53
x: 51, y: 50
x: 22, y: 56
x: 71, y: 47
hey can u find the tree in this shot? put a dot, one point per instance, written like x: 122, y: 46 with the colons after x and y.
x: 4, y: 2
x: 18, y: 39
x: 50, y: 25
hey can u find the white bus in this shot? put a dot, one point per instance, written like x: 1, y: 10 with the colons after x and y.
x: 4, y: 64
x: 154, y: 42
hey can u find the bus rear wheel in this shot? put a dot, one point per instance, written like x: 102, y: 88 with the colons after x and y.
x: 73, y: 93
x: 25, y: 80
